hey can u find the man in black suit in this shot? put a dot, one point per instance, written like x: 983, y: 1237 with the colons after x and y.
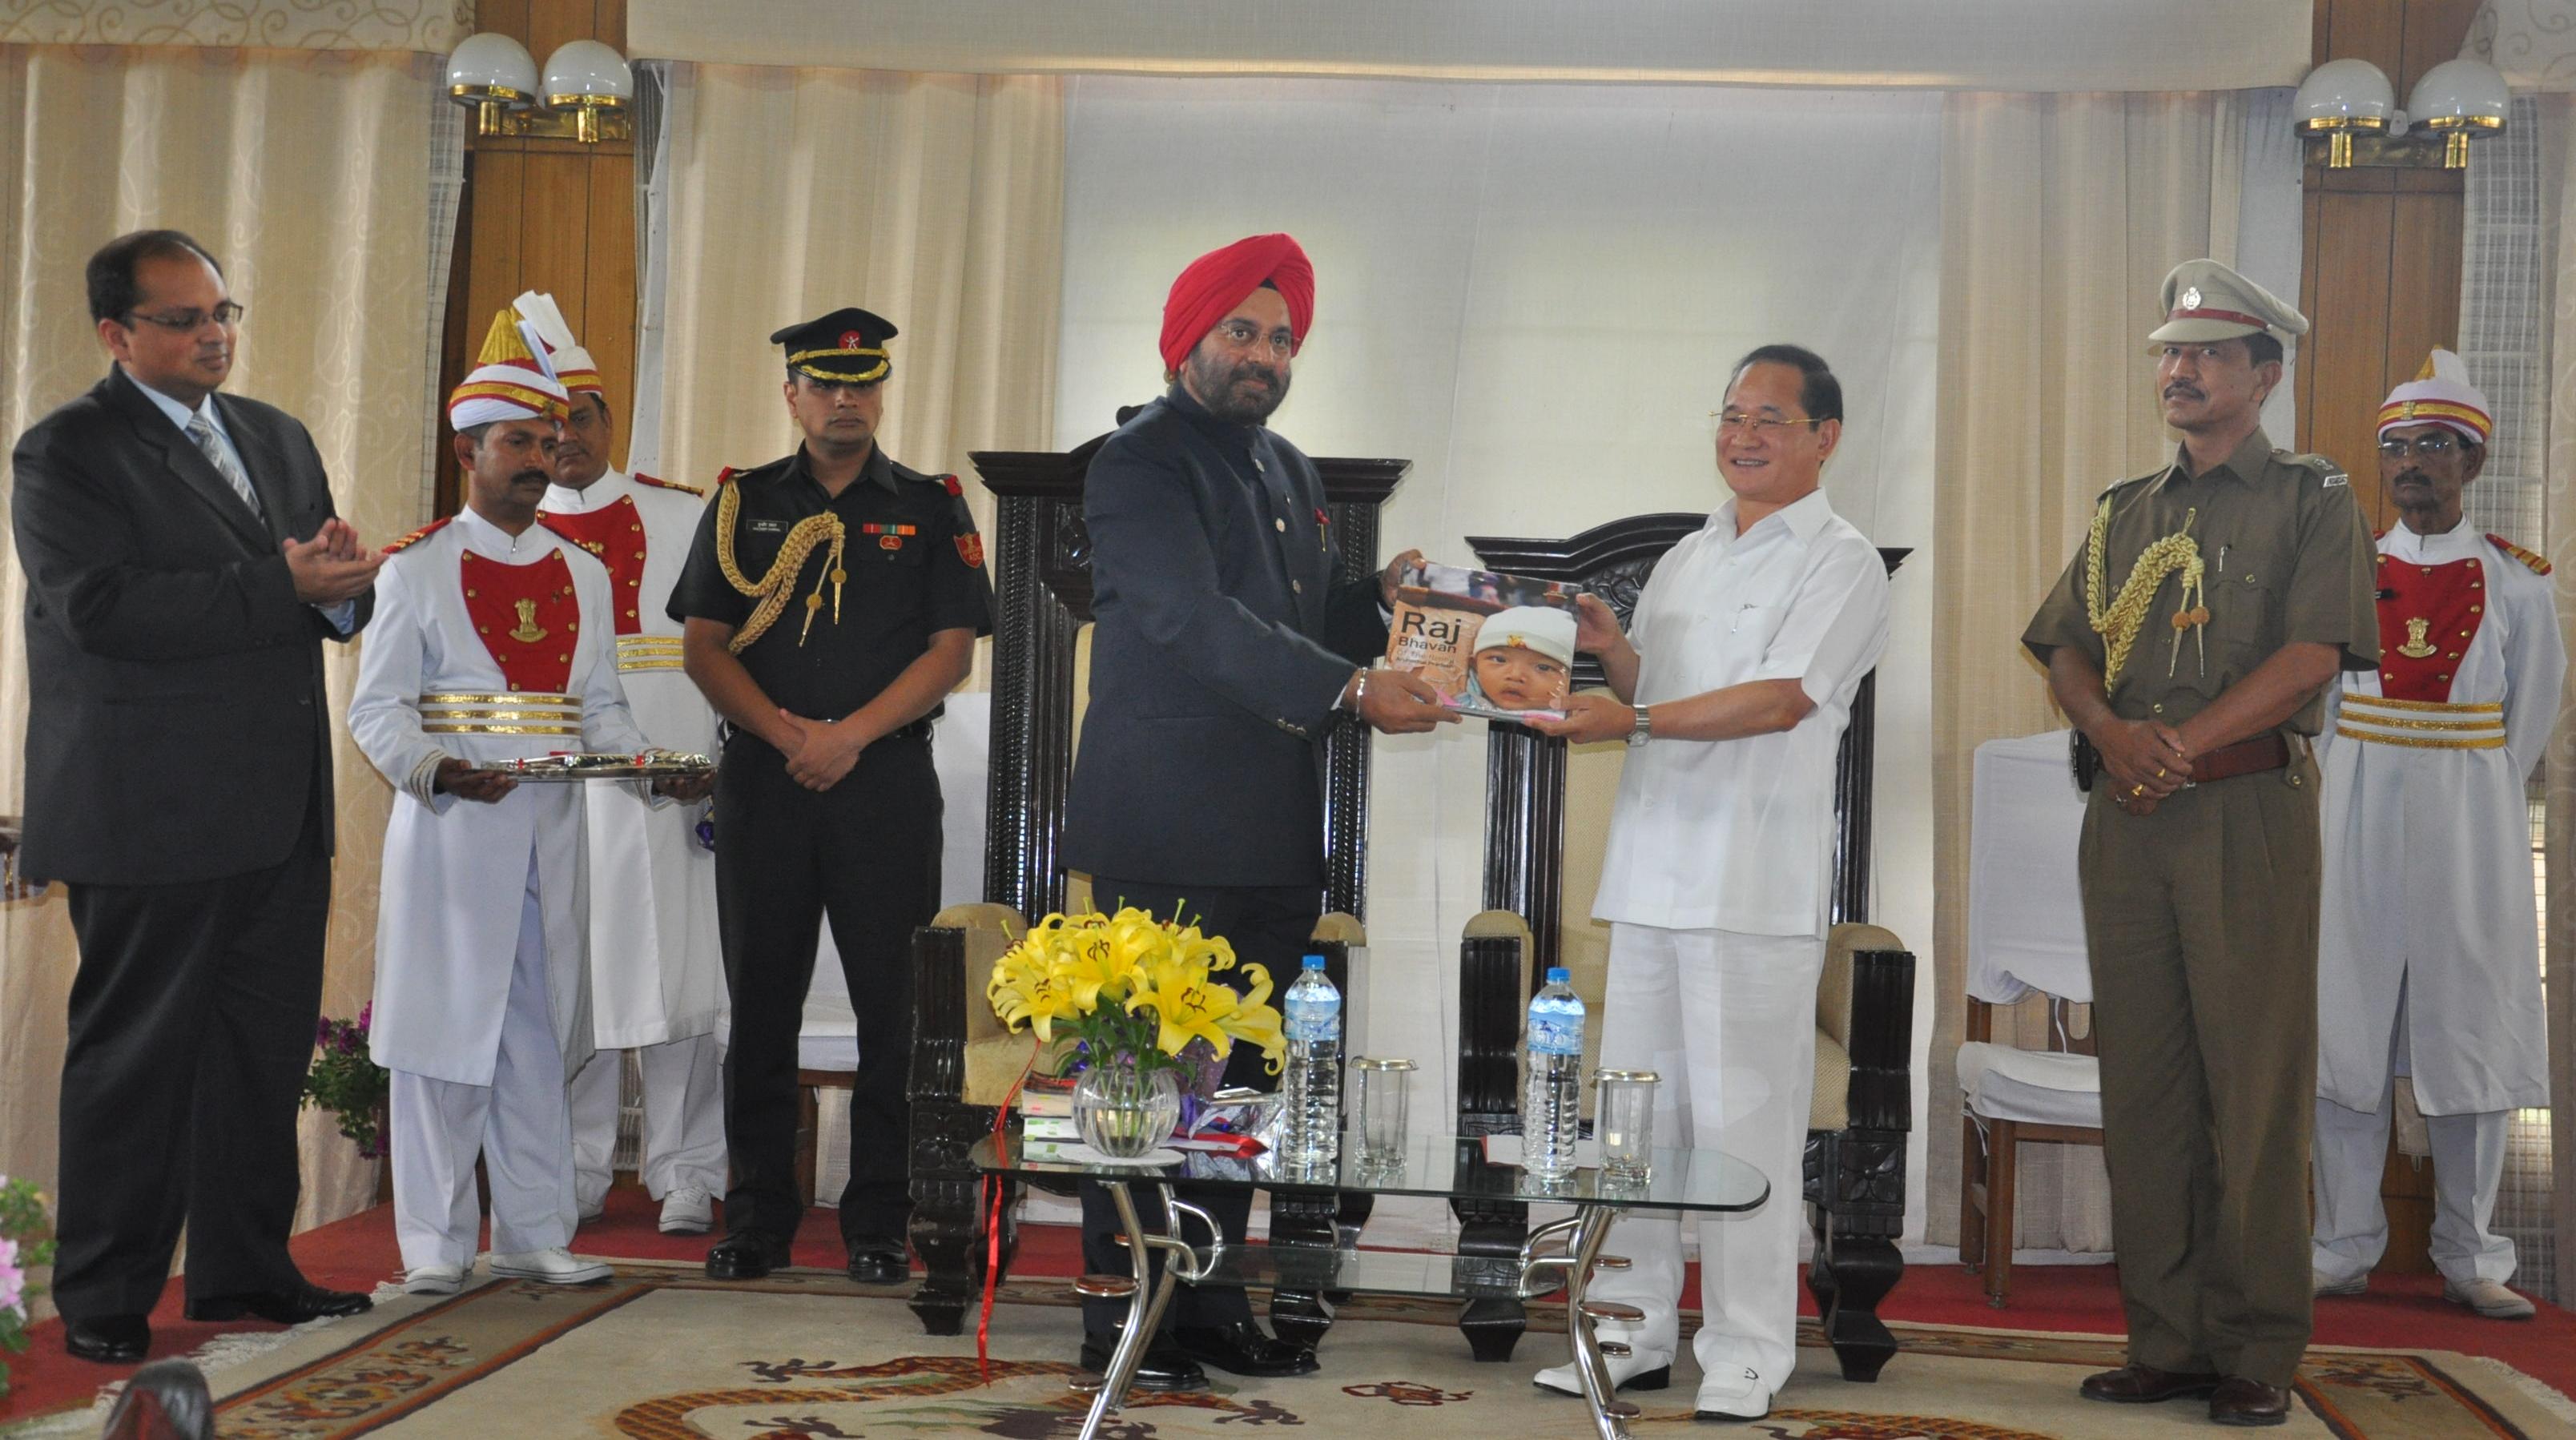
x: 183, y: 566
x: 1224, y: 651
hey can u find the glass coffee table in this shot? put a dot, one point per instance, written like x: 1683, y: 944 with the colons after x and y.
x: 1444, y: 1167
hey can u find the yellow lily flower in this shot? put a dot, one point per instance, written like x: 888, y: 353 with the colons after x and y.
x: 1026, y: 991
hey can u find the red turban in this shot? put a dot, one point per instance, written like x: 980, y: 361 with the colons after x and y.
x: 1218, y: 281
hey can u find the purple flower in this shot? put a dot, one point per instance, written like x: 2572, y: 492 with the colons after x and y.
x: 366, y: 1016
x: 350, y: 1040
x: 322, y: 1031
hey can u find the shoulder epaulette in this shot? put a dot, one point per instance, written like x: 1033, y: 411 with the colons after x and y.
x: 2329, y: 474
x: 423, y: 533
x: 660, y: 484
x: 725, y: 476
x: 2538, y: 565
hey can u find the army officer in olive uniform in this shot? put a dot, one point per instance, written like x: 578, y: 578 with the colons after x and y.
x: 2189, y: 641
x: 831, y: 601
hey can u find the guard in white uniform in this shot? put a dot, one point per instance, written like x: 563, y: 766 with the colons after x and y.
x: 490, y: 644
x: 2428, y: 961
x: 1751, y: 639
x: 657, y: 982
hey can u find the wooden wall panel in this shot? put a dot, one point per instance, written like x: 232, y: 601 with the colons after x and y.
x: 2345, y: 296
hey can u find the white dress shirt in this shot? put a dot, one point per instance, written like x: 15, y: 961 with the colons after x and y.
x: 342, y: 615
x: 1738, y: 834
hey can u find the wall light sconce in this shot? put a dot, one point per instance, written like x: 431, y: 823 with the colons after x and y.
x: 2341, y: 99
x: 2459, y: 101
x: 583, y: 96
x: 2349, y: 106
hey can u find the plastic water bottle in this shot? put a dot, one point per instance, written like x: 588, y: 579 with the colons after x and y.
x: 1552, y: 1106
x: 1312, y: 1012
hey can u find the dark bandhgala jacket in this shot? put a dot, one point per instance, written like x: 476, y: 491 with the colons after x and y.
x: 1223, y: 640
x: 177, y: 728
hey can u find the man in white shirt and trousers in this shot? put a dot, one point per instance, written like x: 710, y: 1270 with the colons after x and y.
x: 2428, y: 960
x: 491, y: 644
x: 657, y: 983
x: 1750, y: 641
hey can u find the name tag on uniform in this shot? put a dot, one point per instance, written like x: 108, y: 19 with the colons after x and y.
x: 768, y: 527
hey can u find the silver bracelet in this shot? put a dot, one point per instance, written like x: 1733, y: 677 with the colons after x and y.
x: 1360, y: 692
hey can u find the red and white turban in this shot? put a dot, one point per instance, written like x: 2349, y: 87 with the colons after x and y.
x: 511, y: 382
x: 1218, y: 281
x: 2440, y: 394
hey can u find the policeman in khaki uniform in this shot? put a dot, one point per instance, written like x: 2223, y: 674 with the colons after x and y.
x: 830, y: 602
x: 2190, y: 641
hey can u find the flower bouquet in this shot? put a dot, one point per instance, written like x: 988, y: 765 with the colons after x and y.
x: 26, y: 1242
x: 1135, y: 993
x: 347, y: 1082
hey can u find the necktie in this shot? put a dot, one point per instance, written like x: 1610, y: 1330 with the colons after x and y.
x: 202, y: 430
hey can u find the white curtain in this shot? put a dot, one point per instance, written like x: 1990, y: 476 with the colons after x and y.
x: 1534, y: 293
x: 308, y: 175
x: 932, y: 200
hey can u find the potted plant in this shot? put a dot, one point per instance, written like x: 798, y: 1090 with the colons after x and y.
x: 26, y: 1242
x: 1134, y: 992
x: 348, y: 1082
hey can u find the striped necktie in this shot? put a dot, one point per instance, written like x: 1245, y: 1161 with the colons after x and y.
x: 202, y: 430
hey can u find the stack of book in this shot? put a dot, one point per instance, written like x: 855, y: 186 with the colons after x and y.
x: 1046, y: 1117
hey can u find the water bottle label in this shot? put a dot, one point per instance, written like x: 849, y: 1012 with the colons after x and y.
x: 1313, y: 1017
x: 1556, y: 1034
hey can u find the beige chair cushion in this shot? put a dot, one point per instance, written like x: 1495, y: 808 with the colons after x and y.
x: 1830, y: 1108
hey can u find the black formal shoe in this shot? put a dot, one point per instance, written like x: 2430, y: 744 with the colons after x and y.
x: 107, y: 1339
x: 2240, y: 1401
x: 1242, y: 1348
x: 2146, y: 1385
x: 1163, y: 1369
x: 879, y: 1262
x: 285, y: 1307
x: 745, y: 1256
x: 166, y: 1400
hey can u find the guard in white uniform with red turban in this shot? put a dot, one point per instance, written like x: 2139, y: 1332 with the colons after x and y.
x: 491, y: 643
x: 657, y: 983
x: 2428, y: 960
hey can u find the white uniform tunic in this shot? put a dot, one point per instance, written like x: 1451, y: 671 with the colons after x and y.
x: 455, y: 871
x: 2427, y: 887
x: 657, y: 973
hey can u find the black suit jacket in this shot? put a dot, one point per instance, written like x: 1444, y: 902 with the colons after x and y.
x: 177, y: 728
x: 1222, y: 642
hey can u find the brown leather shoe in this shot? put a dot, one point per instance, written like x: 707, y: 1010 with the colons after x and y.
x: 2240, y: 1401
x: 2145, y: 1385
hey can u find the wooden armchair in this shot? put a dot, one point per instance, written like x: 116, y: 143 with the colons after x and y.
x: 1854, y: 1170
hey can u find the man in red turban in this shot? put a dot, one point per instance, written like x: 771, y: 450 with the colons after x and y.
x: 1228, y: 646
x: 1217, y: 282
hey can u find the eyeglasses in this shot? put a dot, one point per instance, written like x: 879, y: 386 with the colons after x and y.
x: 184, y: 321
x: 2431, y: 447
x: 1243, y: 335
x: 1759, y: 427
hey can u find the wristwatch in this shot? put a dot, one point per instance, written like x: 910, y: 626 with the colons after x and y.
x: 1644, y: 731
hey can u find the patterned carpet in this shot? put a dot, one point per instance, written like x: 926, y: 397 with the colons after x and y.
x: 661, y: 1354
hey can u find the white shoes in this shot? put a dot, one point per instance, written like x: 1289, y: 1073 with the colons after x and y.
x: 556, y: 1266
x: 434, y: 1280
x: 1648, y: 1371
x: 688, y: 1211
x: 2323, y: 1284
x: 1739, y: 1395
x: 2487, y: 1297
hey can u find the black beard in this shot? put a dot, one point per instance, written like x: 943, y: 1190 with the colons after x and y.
x: 1214, y: 383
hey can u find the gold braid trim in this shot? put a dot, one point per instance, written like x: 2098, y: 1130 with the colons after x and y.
x: 2118, y: 623
x: 771, y: 590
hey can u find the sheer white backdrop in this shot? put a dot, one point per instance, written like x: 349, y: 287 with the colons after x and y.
x: 1534, y: 293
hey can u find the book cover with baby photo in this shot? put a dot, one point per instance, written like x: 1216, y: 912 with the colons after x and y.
x: 1499, y: 646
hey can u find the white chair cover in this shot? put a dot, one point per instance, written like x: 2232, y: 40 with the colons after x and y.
x: 2026, y: 928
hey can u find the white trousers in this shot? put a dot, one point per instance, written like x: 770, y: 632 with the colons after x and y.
x: 2468, y: 1169
x: 518, y: 1124
x: 1729, y: 1022
x: 684, y: 1144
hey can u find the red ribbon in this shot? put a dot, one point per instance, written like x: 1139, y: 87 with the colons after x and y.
x: 993, y: 1219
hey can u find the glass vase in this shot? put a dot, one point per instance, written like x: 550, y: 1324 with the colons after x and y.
x: 1123, y: 1113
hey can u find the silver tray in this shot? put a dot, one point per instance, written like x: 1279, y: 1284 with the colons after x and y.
x: 564, y: 769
